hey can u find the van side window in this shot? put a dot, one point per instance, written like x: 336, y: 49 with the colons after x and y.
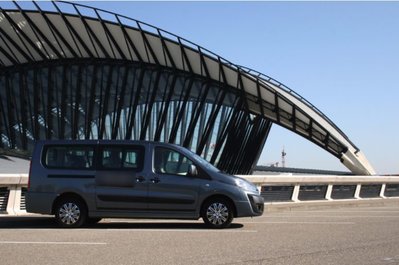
x: 167, y: 161
x: 114, y: 157
x: 111, y: 157
x: 72, y: 157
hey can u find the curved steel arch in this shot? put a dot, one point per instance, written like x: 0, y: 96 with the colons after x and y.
x: 43, y: 35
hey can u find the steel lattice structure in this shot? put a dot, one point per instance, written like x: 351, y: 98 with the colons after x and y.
x: 85, y: 73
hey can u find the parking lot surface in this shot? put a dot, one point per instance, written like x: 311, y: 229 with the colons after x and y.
x: 364, y: 235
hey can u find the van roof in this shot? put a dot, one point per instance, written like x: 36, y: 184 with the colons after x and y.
x: 91, y: 142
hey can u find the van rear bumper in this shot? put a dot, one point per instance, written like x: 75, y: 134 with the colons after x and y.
x: 40, y: 202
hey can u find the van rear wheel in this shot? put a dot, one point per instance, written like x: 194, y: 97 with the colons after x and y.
x: 70, y: 212
x: 217, y: 213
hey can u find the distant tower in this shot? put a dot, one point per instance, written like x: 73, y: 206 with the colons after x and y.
x: 283, y: 154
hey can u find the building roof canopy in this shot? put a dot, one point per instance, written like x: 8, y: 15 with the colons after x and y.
x: 29, y: 36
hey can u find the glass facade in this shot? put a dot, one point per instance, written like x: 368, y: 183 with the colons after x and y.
x: 103, y: 99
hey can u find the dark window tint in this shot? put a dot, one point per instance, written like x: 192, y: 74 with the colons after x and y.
x: 119, y: 157
x: 74, y: 157
x: 167, y: 161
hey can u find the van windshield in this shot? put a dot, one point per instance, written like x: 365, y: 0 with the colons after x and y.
x: 203, y: 162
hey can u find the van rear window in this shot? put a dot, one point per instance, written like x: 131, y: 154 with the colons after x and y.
x: 72, y: 157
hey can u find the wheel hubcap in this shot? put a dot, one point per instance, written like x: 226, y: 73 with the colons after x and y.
x: 69, y: 213
x: 217, y: 213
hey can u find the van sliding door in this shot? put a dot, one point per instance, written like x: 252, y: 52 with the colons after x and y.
x: 119, y: 181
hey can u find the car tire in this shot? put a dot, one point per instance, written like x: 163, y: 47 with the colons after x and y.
x: 217, y: 213
x: 71, y: 212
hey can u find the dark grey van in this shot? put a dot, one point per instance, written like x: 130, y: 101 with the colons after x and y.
x: 81, y: 182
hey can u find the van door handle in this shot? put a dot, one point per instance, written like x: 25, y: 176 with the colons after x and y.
x: 155, y: 180
x: 140, y: 179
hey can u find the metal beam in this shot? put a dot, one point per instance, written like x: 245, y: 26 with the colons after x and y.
x: 73, y: 33
x: 147, y: 45
x: 133, y: 109
x: 21, y: 34
x: 211, y: 120
x: 91, y: 35
x: 104, y: 102
x: 57, y: 34
x: 92, y: 98
x: 78, y: 98
x: 165, y: 110
x: 27, y: 57
x: 120, y: 103
x: 35, y: 29
x: 182, y: 109
x: 109, y: 35
x: 149, y: 105
x: 129, y: 40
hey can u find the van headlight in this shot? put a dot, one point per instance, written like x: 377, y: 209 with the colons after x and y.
x: 246, y: 185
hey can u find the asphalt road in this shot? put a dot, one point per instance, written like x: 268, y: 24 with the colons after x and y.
x: 367, y: 235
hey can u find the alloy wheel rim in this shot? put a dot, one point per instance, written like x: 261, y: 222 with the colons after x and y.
x: 69, y: 213
x: 217, y: 213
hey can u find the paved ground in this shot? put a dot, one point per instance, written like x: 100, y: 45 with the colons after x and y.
x: 367, y: 235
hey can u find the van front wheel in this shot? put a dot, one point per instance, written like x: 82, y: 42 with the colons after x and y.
x: 217, y: 213
x: 70, y: 213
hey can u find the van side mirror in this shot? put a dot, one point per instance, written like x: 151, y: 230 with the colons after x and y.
x: 192, y: 171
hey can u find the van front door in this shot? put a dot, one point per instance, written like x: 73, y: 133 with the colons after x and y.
x: 170, y: 186
x: 120, y: 184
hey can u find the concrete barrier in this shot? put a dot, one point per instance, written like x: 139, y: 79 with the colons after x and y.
x: 335, y: 204
x: 297, y: 182
x: 15, y: 183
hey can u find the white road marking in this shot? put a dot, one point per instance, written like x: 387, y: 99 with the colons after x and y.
x: 334, y: 216
x: 52, y: 243
x: 354, y: 211
x: 181, y: 230
x: 319, y: 223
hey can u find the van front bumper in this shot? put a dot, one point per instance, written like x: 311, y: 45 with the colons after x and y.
x: 254, y: 206
x: 257, y: 203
